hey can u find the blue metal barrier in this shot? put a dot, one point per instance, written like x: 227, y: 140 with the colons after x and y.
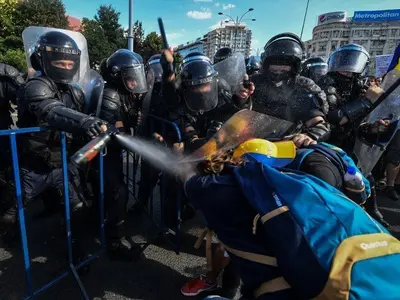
x: 31, y: 293
x: 157, y: 203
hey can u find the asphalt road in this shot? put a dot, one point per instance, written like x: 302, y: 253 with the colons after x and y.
x: 158, y: 276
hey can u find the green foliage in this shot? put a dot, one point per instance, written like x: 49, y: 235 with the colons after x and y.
x: 104, y: 34
x: 15, y: 58
x: 178, y: 59
x: 108, y: 19
x: 45, y: 13
x: 7, y: 11
x: 151, y: 45
x: 138, y: 37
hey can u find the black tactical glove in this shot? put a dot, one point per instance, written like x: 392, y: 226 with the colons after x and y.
x: 214, y: 127
x: 92, y: 126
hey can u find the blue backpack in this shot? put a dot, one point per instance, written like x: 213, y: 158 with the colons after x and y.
x: 339, y: 158
x: 326, y: 246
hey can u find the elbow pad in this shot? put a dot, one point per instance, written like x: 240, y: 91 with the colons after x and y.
x: 61, y: 117
x: 357, y: 109
x: 319, y: 132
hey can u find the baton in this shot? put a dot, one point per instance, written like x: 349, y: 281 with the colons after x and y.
x: 162, y: 32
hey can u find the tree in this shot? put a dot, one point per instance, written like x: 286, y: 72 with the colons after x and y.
x: 7, y: 12
x: 138, y: 37
x: 15, y: 58
x: 98, y: 44
x: 152, y: 45
x: 45, y: 13
x: 178, y: 59
x: 108, y: 19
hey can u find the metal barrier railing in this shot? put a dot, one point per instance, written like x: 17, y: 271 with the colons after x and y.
x: 157, y: 203
x: 31, y: 292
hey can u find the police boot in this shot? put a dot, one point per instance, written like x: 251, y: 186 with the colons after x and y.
x: 119, y: 248
x: 371, y: 207
x: 9, y: 210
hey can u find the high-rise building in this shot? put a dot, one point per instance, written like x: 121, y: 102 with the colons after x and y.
x: 377, y: 31
x: 236, y: 37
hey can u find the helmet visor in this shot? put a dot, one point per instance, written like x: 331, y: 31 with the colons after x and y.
x: 157, y: 70
x: 317, y: 70
x: 201, y: 97
x: 60, y: 64
x: 134, y: 79
x: 348, y: 60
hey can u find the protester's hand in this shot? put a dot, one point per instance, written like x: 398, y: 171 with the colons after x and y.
x: 301, y: 140
x: 178, y: 147
x: 373, y: 93
x: 380, y: 126
x: 246, y: 88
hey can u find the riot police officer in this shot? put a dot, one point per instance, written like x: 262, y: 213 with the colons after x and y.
x: 11, y: 82
x: 314, y: 68
x: 50, y: 99
x: 349, y: 102
x: 206, y: 100
x: 253, y: 66
x: 222, y: 54
x: 121, y: 106
x: 281, y: 92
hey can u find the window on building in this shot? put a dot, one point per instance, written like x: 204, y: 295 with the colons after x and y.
x: 346, y: 33
x: 394, y: 32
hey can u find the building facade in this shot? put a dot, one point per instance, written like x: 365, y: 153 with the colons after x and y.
x: 189, y: 47
x: 236, y: 37
x: 377, y: 31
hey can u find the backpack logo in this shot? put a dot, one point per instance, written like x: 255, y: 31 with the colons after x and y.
x: 366, y: 246
x: 277, y: 200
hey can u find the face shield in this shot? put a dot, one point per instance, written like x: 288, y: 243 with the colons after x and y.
x: 60, y: 64
x: 348, y: 60
x: 317, y: 70
x: 156, y: 68
x: 134, y: 79
x: 201, y: 95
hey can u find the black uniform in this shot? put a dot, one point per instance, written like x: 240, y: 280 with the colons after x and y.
x: 121, y: 103
x: 345, y: 98
x: 11, y: 82
x: 282, y: 93
x: 50, y: 100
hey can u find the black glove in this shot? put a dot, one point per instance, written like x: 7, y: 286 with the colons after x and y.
x: 92, y: 126
x: 214, y: 127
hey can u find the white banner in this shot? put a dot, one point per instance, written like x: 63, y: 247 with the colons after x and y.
x: 382, y: 64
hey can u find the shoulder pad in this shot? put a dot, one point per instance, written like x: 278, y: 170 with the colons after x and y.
x: 111, y: 95
x: 40, y: 88
x: 308, y: 84
x: 11, y: 73
x: 325, y: 81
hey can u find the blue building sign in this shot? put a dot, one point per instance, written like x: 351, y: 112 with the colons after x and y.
x: 377, y: 15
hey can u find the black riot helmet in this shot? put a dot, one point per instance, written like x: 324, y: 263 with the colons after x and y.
x: 57, y: 56
x: 199, y: 83
x: 314, y: 68
x: 222, y: 54
x: 285, y: 49
x: 253, y: 65
x: 125, y: 71
x: 352, y: 58
x: 154, y: 66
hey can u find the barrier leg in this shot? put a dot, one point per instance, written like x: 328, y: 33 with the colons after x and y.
x: 101, y: 200
x: 68, y: 217
x: 21, y: 215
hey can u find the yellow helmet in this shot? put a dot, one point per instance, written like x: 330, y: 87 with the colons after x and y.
x: 277, y: 154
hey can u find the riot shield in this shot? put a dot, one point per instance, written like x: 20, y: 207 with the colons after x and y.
x: 31, y: 35
x: 368, y: 154
x: 242, y: 126
x: 146, y: 102
x: 93, y: 86
x: 232, y: 70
